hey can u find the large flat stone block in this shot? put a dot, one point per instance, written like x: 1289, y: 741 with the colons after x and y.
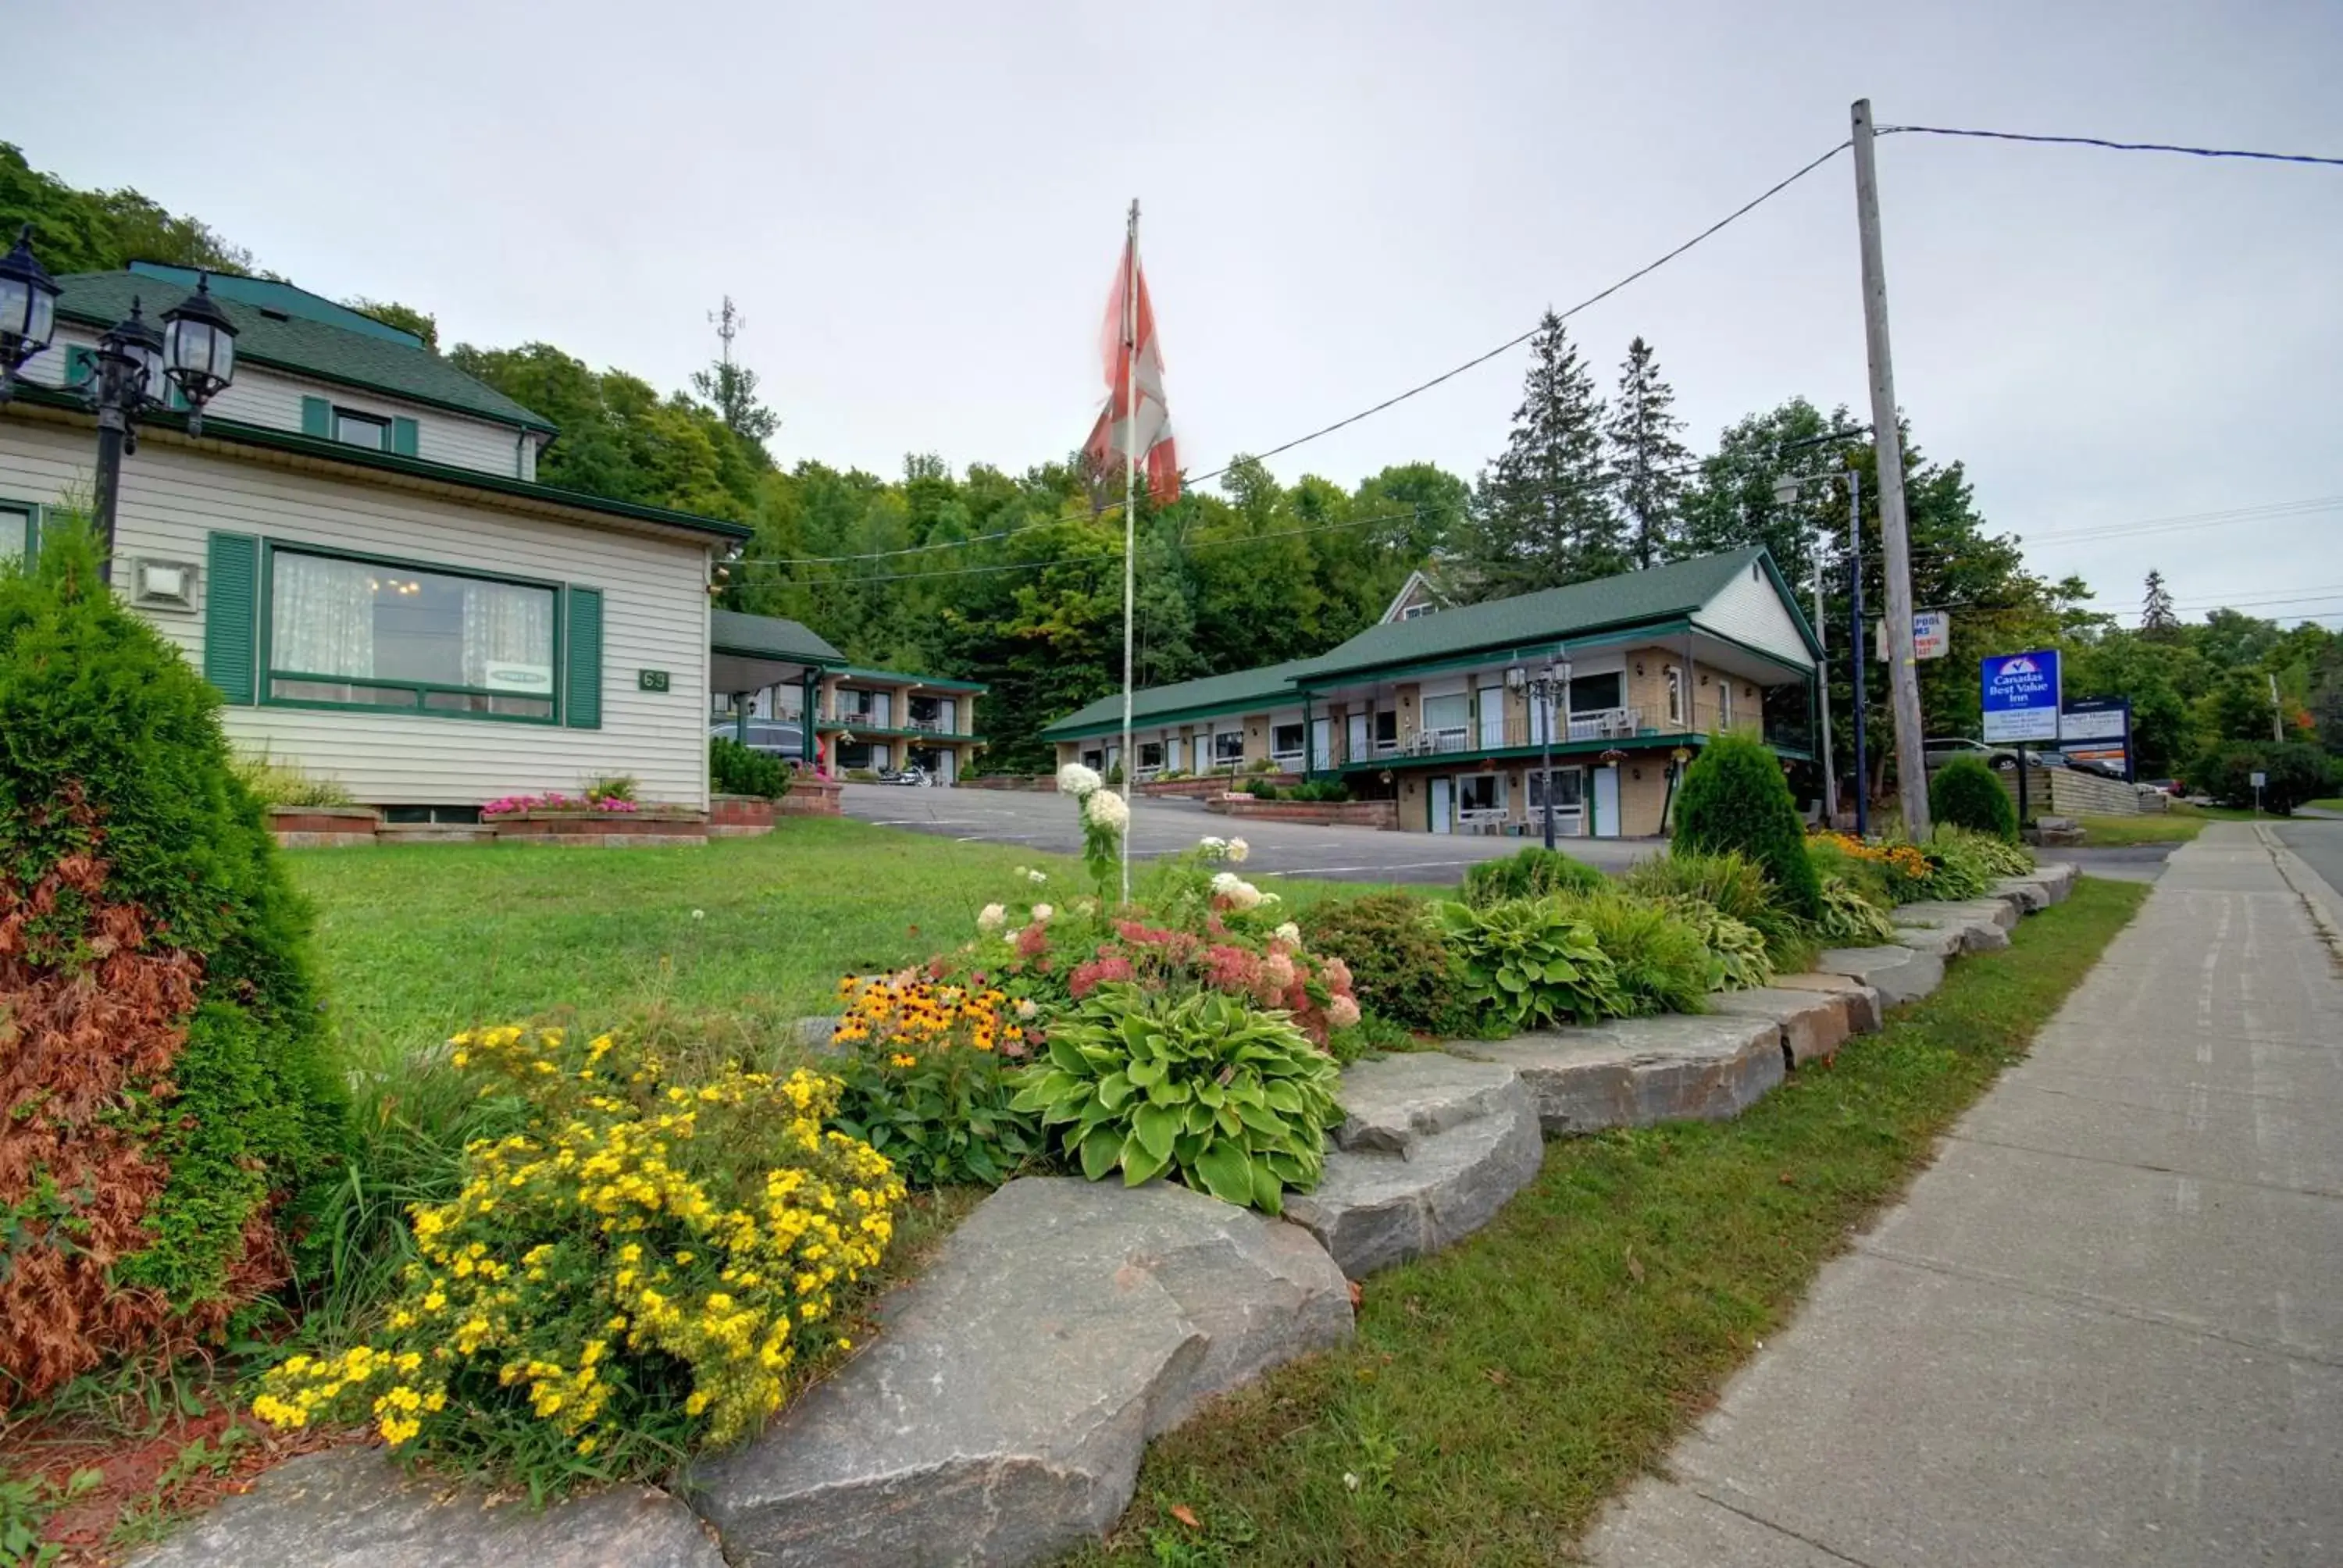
x: 1898, y: 974
x: 353, y: 1508
x: 2030, y: 897
x: 1413, y: 1175
x: 1634, y: 1072
x: 1814, y: 1023
x: 999, y: 1416
x: 1863, y: 1005
x: 1943, y: 941
x: 1996, y: 912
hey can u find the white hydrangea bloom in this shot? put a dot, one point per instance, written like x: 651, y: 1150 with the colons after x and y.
x: 1036, y: 877
x: 1237, y: 850
x: 991, y: 918
x: 1075, y: 779
x: 1041, y: 913
x: 1105, y: 809
x: 1225, y: 883
x: 1214, y: 848
x: 1290, y: 932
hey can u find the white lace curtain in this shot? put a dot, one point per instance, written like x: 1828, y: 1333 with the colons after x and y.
x: 505, y: 625
x: 322, y: 616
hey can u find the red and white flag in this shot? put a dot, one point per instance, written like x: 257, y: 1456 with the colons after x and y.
x: 1146, y: 429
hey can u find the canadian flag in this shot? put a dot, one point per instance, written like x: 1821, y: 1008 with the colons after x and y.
x: 1129, y: 342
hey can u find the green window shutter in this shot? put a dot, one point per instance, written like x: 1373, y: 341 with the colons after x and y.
x: 403, y: 432
x: 584, y: 658
x: 318, y: 419
x: 231, y: 618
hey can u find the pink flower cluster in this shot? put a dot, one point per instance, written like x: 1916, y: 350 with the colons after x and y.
x: 553, y: 800
x: 1316, y: 991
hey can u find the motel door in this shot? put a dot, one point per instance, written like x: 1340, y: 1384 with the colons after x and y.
x: 1606, y: 802
x: 1355, y: 742
x: 1321, y: 744
x: 1443, y: 805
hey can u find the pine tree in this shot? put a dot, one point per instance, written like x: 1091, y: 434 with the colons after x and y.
x: 2158, y: 619
x: 1646, y: 459
x: 1544, y: 513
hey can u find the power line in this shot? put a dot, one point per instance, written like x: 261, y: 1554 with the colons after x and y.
x: 1512, y: 343
x: 2112, y: 146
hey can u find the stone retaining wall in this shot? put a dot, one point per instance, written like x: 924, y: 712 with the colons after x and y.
x: 1382, y: 814
x: 1206, y: 786
x: 739, y: 816
x: 812, y: 798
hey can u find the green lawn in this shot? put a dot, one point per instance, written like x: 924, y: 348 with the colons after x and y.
x: 2176, y: 824
x: 416, y: 942
x: 2333, y: 803
x: 1498, y: 1393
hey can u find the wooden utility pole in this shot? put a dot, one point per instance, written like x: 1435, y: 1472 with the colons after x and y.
x: 1887, y: 441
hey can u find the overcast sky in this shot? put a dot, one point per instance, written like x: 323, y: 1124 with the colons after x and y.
x: 918, y: 209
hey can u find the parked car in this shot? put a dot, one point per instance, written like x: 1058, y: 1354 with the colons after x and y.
x: 1944, y: 748
x: 775, y: 737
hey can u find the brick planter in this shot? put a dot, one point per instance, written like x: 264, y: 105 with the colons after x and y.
x: 323, y: 827
x: 812, y: 798
x: 604, y: 829
x: 1211, y: 784
x: 739, y: 816
x: 1380, y: 814
x: 1043, y: 782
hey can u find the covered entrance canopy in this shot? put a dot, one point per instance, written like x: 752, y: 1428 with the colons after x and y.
x: 747, y: 653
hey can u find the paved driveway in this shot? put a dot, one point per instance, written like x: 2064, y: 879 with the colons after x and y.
x: 1046, y: 821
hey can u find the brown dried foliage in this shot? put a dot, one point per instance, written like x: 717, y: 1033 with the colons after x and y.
x: 80, y: 1043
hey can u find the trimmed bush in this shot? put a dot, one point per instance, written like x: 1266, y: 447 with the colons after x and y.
x: 1735, y: 799
x: 159, y: 1032
x: 1534, y: 874
x: 1965, y: 793
x: 1399, y: 970
x: 737, y: 769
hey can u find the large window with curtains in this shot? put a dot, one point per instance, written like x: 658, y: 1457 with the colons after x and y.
x: 349, y: 631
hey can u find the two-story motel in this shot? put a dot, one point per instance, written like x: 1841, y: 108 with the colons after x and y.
x: 1437, y: 709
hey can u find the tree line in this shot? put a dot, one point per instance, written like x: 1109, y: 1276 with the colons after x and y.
x: 1015, y: 579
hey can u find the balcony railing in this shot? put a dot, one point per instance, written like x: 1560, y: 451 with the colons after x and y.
x: 1604, y: 724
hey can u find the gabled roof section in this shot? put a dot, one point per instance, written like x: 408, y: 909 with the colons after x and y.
x: 1658, y: 593
x: 770, y: 636
x: 1209, y: 694
x: 289, y: 328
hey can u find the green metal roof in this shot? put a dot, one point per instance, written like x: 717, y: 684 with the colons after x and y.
x: 770, y: 636
x: 1212, y: 693
x: 899, y: 678
x: 308, y: 335
x: 1657, y: 593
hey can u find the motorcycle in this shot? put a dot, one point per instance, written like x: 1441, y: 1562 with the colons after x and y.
x: 914, y: 777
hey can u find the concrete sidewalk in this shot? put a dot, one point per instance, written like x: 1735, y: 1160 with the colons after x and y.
x: 2106, y: 1325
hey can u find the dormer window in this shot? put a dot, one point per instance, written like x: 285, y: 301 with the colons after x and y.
x: 362, y: 431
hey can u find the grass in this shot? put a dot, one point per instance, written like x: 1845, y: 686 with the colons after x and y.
x: 2332, y: 803
x: 1497, y: 1394
x: 2177, y: 824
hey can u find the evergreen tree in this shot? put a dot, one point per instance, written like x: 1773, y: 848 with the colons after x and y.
x: 1544, y: 513
x: 2158, y: 619
x: 1646, y: 459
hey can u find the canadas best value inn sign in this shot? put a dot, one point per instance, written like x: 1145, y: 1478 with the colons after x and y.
x: 2021, y: 696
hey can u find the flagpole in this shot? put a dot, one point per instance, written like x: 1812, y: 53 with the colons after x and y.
x: 1130, y: 516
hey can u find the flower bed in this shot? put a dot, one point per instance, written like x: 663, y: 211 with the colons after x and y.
x: 600, y: 829
x: 323, y: 827
x: 1378, y: 814
x: 1210, y: 786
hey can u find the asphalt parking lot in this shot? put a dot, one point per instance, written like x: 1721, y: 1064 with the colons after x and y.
x: 1046, y: 821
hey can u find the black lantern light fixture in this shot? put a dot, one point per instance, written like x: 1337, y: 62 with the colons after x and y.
x: 198, y: 350
x: 28, y: 309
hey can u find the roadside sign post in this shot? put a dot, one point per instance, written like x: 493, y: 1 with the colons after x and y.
x: 2260, y: 778
x: 2020, y: 693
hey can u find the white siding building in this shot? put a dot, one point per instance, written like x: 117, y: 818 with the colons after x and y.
x: 355, y: 552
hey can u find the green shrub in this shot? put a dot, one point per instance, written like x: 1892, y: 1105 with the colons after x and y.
x: 1534, y: 874
x: 275, y: 783
x: 1739, y: 956
x: 1201, y: 1088
x: 1400, y: 969
x: 1662, y: 962
x: 1849, y: 919
x: 1733, y: 799
x: 1959, y: 867
x: 147, y: 909
x: 611, y: 787
x: 1372, y: 1035
x: 1333, y: 791
x: 2000, y: 857
x: 655, y: 1261
x: 927, y: 1082
x: 1966, y: 793
x: 1259, y: 789
x: 1854, y: 864
x: 737, y: 769
x: 1732, y: 885
x: 2292, y: 774
x: 1524, y: 962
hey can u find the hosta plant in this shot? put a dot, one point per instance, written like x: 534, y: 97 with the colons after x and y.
x: 1851, y: 920
x: 1524, y: 962
x: 1199, y: 1088
x: 1736, y: 949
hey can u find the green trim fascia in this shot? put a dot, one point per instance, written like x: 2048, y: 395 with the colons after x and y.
x: 311, y: 372
x: 897, y: 677
x: 264, y: 613
x: 237, y: 433
x: 1624, y: 633
x: 1754, y: 651
x: 767, y: 656
x: 1176, y: 716
x: 1517, y: 753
